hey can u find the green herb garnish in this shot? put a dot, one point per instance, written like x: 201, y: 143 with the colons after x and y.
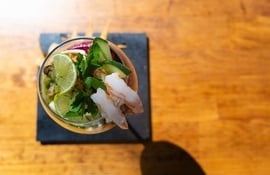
x: 87, y: 84
x: 91, y: 70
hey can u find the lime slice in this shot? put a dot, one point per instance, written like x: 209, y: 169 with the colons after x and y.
x: 62, y: 106
x: 65, y: 72
x: 62, y: 103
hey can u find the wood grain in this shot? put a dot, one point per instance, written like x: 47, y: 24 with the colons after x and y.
x: 209, y: 72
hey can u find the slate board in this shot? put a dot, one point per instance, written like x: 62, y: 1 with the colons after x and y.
x: 48, y: 132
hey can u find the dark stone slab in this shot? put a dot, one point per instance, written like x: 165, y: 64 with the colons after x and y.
x: 48, y: 132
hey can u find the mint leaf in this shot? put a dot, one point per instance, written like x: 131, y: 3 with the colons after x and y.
x: 80, y: 104
x: 77, y: 99
x: 91, y: 107
x: 76, y: 108
x: 91, y: 67
x: 72, y: 114
x: 97, y: 54
x: 91, y: 82
x: 80, y: 65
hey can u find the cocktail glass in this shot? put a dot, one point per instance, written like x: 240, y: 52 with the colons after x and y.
x: 90, y: 127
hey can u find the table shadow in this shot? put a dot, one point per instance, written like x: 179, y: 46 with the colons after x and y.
x: 165, y: 158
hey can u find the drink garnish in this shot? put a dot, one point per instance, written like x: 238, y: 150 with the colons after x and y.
x: 75, y: 76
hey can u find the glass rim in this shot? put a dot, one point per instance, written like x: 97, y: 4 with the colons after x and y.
x: 79, y: 127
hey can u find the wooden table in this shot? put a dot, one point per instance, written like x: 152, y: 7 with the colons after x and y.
x: 210, y: 79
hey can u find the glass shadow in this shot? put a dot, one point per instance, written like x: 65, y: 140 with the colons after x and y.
x: 165, y: 158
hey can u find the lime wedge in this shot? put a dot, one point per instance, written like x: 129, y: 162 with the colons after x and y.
x: 65, y: 72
